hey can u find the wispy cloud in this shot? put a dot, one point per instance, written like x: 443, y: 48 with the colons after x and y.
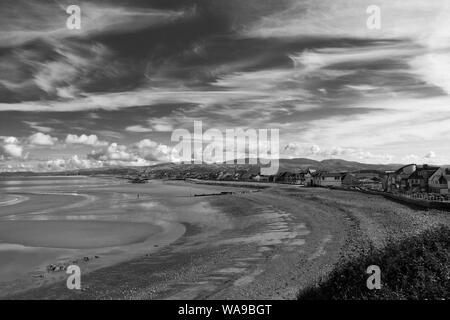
x: 38, y: 127
x: 47, y: 20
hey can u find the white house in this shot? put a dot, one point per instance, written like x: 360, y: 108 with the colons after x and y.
x: 330, y: 179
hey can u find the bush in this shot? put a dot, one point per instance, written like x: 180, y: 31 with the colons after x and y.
x: 415, y: 268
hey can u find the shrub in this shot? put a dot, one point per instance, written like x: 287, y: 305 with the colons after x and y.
x: 415, y: 268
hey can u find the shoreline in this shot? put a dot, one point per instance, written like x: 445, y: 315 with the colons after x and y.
x: 267, y: 245
x: 44, y: 242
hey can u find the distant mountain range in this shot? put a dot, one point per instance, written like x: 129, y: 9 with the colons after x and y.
x: 174, y: 169
x: 221, y: 171
x: 332, y: 165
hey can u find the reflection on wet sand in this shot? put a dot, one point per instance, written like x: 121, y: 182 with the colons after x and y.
x: 68, y: 218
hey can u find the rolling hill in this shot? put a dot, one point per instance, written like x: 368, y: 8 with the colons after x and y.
x: 181, y: 170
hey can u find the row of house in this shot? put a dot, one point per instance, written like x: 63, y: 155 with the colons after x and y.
x: 418, y: 179
x: 365, y: 178
x: 303, y: 177
x: 368, y: 178
x: 410, y: 178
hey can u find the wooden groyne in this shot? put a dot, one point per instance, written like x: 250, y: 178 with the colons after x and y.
x: 234, y: 184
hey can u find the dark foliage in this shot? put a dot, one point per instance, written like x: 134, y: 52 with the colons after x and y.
x: 416, y: 268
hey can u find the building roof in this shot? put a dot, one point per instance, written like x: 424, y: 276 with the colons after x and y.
x: 428, y: 167
x: 415, y: 175
x: 400, y: 171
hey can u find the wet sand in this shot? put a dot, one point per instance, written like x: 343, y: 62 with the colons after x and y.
x: 75, y: 234
x: 63, y: 220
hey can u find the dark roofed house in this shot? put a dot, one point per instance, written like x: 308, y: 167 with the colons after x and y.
x: 288, y: 177
x: 418, y: 180
x: 414, y: 182
x: 402, y: 175
x: 283, y: 177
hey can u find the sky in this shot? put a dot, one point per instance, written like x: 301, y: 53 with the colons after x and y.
x: 112, y: 92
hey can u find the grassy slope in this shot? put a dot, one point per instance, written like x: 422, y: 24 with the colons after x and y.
x: 416, y: 268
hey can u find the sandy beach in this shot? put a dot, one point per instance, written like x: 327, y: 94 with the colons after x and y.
x: 260, y: 245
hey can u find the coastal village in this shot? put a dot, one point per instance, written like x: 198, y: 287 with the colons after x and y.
x: 414, y: 181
